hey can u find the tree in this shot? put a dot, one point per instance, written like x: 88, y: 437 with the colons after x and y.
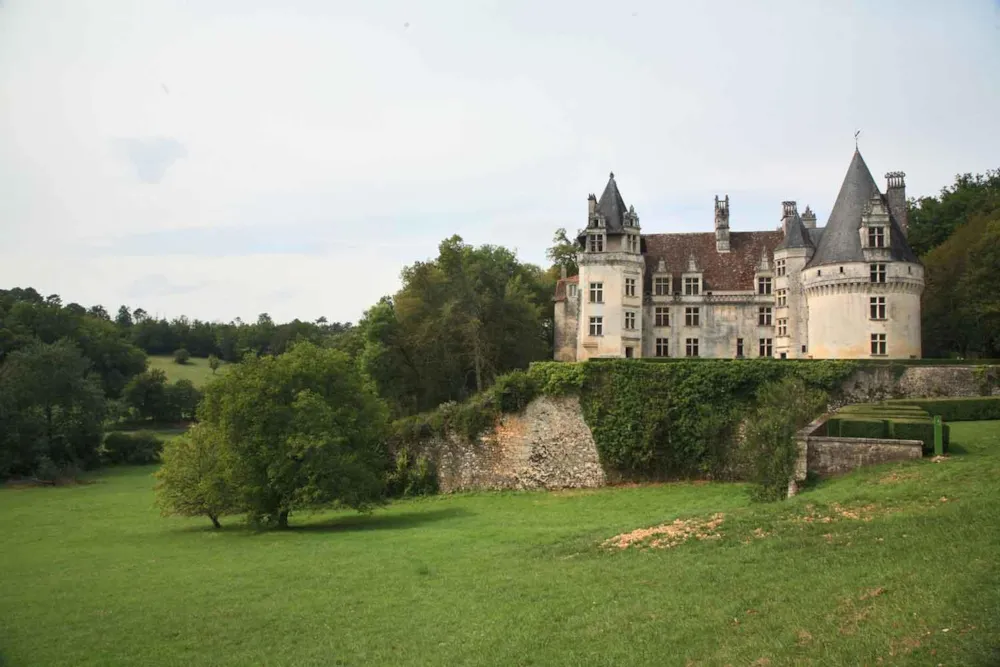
x: 181, y: 356
x: 770, y: 448
x: 933, y: 219
x: 124, y: 318
x: 146, y: 393
x: 562, y: 252
x: 300, y: 430
x: 180, y: 401
x: 51, y: 406
x: 193, y: 480
x: 213, y: 363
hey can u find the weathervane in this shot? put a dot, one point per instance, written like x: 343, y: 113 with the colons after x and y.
x: 856, y: 133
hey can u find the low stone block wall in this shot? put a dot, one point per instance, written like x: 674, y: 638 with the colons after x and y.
x: 826, y: 456
x: 547, y: 445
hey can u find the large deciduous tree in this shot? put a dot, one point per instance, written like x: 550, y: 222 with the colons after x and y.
x: 300, y: 430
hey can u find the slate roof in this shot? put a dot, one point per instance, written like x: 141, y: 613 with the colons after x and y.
x: 612, y: 207
x: 841, y: 241
x: 733, y: 270
x: 798, y: 236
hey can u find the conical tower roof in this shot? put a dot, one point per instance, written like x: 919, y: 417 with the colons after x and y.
x: 841, y: 241
x: 612, y: 206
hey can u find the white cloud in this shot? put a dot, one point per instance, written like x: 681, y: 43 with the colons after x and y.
x: 367, y: 141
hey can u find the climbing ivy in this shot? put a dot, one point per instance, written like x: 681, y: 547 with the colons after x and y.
x: 649, y: 420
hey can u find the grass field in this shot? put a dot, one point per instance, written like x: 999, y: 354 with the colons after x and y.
x: 895, y: 565
x: 196, y: 369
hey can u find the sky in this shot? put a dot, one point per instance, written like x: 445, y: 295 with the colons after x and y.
x: 223, y: 159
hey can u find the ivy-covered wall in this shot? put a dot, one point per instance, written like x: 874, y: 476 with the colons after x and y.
x: 648, y: 420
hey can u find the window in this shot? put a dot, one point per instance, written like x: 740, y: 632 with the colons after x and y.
x: 878, y: 345
x: 661, y: 316
x: 597, y: 292
x: 819, y: 272
x: 632, y: 243
x: 692, y: 317
x: 782, y: 298
x: 662, y: 347
x: 630, y: 319
x: 661, y: 286
x: 779, y: 266
x: 766, y: 347
x: 803, y: 349
x: 630, y: 287
x: 876, y: 237
x: 691, y: 347
x: 571, y: 290
x: 628, y: 352
x: 763, y: 286
x: 783, y: 326
x: 596, y: 326
x: 878, y: 273
x: 877, y: 308
x: 764, y: 316
x: 739, y: 347
x: 596, y: 242
x: 692, y: 286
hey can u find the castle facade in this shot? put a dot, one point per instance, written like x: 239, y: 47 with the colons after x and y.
x: 849, y: 290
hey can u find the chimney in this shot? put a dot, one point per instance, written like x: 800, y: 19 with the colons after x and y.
x: 895, y: 192
x: 788, y: 213
x: 722, y: 224
x: 591, y: 205
x: 809, y: 218
x: 562, y: 272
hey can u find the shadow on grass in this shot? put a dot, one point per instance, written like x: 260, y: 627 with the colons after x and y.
x: 382, y: 521
x: 341, y: 524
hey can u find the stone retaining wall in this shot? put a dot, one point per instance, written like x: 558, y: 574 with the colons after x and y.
x: 547, y: 445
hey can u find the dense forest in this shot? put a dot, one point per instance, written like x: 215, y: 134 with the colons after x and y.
x: 459, y: 321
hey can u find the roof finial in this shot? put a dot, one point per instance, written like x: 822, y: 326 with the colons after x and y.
x: 856, y: 133
x: 612, y: 175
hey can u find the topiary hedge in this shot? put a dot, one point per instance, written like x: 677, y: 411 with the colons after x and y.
x: 956, y: 409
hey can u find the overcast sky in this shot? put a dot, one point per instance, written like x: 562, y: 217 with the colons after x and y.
x: 223, y: 159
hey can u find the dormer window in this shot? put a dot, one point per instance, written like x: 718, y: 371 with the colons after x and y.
x: 632, y: 243
x: 692, y: 286
x: 764, y: 286
x: 876, y: 237
x: 661, y: 286
x: 596, y: 242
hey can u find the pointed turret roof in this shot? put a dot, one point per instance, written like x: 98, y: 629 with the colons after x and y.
x: 840, y: 241
x: 797, y: 235
x: 612, y: 206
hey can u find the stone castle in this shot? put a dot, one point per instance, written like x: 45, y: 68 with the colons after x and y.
x: 848, y: 290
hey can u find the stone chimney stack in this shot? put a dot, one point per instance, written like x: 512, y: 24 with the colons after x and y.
x: 722, y: 224
x: 591, y: 206
x: 809, y: 218
x: 789, y: 210
x: 895, y: 192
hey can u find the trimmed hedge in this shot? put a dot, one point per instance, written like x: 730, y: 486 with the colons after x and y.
x: 977, y: 408
x: 923, y: 430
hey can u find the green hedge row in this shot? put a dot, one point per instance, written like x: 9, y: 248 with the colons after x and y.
x: 956, y: 409
x: 860, y: 425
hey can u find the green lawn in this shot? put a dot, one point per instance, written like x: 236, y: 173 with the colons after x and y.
x: 92, y: 576
x: 196, y: 369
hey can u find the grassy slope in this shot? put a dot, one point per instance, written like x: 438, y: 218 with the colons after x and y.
x: 196, y: 369
x: 92, y: 576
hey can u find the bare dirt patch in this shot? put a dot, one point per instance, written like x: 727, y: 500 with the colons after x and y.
x: 668, y: 535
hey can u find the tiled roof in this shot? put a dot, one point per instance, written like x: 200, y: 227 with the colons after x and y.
x: 561, y: 287
x: 798, y: 236
x: 841, y: 241
x: 721, y: 271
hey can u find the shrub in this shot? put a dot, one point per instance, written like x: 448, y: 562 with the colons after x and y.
x: 783, y: 408
x: 923, y: 430
x: 181, y: 356
x: 957, y: 409
x: 857, y: 427
x: 412, y: 476
x: 139, y: 448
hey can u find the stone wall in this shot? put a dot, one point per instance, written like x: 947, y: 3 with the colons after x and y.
x: 880, y: 383
x: 828, y: 456
x: 547, y: 445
